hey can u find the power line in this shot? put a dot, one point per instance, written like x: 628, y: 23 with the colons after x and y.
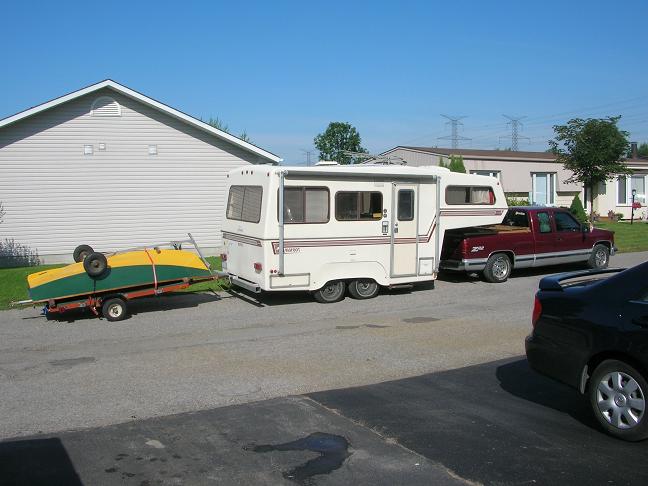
x: 516, y: 125
x: 454, y: 136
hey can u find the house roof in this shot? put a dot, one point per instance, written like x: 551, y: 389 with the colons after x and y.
x: 109, y: 83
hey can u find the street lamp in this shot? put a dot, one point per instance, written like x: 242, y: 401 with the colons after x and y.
x: 634, y: 194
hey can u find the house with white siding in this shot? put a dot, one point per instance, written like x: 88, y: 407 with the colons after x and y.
x: 537, y: 176
x: 110, y: 167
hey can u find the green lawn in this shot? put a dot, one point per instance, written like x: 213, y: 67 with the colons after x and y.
x: 628, y: 237
x: 13, y: 282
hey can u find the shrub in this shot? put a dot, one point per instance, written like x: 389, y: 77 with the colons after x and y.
x: 511, y: 201
x: 577, y: 209
x: 14, y: 254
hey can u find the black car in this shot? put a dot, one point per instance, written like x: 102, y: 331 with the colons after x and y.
x: 590, y: 331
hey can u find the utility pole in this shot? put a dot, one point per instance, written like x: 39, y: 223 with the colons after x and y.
x: 454, y: 122
x: 516, y: 126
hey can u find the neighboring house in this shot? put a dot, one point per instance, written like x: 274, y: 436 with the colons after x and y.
x: 110, y: 167
x: 536, y: 176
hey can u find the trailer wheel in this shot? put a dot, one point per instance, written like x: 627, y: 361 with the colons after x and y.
x: 81, y: 252
x: 363, y: 289
x: 333, y: 291
x: 498, y: 268
x: 114, y: 309
x: 95, y: 264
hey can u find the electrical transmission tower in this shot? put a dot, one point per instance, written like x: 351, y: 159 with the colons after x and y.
x: 308, y: 156
x: 454, y: 122
x: 516, y: 127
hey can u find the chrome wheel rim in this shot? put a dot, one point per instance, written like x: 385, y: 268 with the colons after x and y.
x: 331, y: 291
x: 620, y: 400
x: 115, y: 310
x: 500, y: 268
x: 600, y: 258
x: 366, y: 287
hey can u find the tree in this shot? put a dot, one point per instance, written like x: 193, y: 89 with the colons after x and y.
x: 443, y: 163
x: 577, y: 209
x: 593, y: 149
x: 338, y: 138
x: 221, y: 125
x: 456, y: 164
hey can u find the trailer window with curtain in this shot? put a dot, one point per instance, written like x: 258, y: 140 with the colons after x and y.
x: 481, y: 195
x: 244, y: 203
x: 358, y: 206
x: 305, y: 205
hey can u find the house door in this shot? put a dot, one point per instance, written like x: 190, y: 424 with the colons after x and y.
x: 404, y: 234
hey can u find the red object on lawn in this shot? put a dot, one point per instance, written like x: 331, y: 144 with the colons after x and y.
x: 636, y: 205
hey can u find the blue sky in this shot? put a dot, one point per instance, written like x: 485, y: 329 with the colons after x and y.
x: 282, y: 70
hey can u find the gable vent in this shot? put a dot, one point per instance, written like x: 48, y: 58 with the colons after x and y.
x: 105, y: 106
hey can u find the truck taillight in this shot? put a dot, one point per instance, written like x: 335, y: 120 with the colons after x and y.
x: 258, y: 267
x: 537, y: 311
x: 464, y: 246
x: 223, y: 257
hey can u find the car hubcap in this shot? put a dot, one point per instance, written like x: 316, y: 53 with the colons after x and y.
x: 620, y: 400
x: 500, y: 268
x: 600, y: 258
x: 115, y: 310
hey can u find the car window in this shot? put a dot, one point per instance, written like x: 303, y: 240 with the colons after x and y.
x: 544, y: 222
x: 566, y: 222
x: 516, y: 217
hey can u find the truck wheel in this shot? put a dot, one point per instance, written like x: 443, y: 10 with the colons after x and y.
x: 498, y: 268
x: 600, y: 257
x: 80, y: 252
x: 114, y: 309
x: 95, y: 264
x: 331, y: 292
x: 618, y: 400
x: 363, y: 289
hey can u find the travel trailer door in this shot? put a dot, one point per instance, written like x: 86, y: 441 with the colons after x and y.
x: 404, y: 240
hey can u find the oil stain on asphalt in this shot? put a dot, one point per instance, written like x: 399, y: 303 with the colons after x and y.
x: 333, y: 450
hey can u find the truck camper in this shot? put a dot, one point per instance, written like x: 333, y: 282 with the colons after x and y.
x: 332, y: 229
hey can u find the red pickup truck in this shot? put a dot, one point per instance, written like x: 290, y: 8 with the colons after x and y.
x: 528, y: 236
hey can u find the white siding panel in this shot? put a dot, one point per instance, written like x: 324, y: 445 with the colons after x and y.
x: 56, y: 197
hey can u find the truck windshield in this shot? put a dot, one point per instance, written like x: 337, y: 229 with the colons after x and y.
x: 516, y: 217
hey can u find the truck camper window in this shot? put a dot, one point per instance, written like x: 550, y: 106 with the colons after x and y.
x: 405, y: 210
x: 470, y: 195
x: 305, y: 205
x: 358, y: 206
x: 244, y: 203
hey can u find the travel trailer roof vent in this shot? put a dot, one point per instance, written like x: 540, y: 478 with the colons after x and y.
x: 327, y: 162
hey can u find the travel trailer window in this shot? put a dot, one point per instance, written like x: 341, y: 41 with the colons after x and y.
x: 470, y: 195
x: 244, y: 203
x: 358, y: 206
x: 405, y: 209
x: 305, y: 205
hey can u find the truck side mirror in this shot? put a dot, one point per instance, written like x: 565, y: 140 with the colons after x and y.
x: 585, y: 228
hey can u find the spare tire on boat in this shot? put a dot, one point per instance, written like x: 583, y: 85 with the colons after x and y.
x: 95, y: 264
x: 80, y: 252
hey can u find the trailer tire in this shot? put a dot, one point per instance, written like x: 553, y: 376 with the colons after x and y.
x: 95, y: 264
x: 363, y: 289
x: 498, y: 268
x: 114, y: 309
x: 81, y: 252
x: 332, y: 291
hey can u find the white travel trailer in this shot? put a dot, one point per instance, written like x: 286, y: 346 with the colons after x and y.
x: 347, y: 227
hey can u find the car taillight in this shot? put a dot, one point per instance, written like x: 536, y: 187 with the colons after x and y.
x: 258, y: 267
x: 223, y: 257
x: 537, y: 311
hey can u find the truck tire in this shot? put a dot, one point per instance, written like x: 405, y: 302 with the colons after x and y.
x: 80, y: 252
x: 114, y: 309
x: 333, y: 291
x: 95, y: 264
x: 498, y: 268
x: 600, y: 257
x: 363, y: 289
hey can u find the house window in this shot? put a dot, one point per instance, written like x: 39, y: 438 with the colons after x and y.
x: 543, y: 191
x: 470, y: 195
x: 358, y: 206
x: 305, y: 205
x: 491, y: 173
x: 622, y: 190
x: 625, y: 186
x: 244, y: 203
x: 638, y: 183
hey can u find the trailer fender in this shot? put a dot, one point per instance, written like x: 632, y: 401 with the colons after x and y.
x: 348, y: 271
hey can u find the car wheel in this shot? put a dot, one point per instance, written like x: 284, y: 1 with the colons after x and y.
x: 363, y: 289
x: 80, y: 252
x: 331, y: 292
x: 114, y: 309
x: 600, y: 257
x: 617, y: 396
x: 498, y: 268
x: 95, y: 264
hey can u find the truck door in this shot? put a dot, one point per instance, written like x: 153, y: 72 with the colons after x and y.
x: 545, y: 238
x: 570, y: 242
x: 404, y: 234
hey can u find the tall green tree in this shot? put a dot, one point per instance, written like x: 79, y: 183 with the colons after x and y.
x: 338, y: 138
x: 456, y: 164
x: 593, y: 149
x: 221, y: 125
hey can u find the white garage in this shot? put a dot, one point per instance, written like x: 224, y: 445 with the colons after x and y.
x: 110, y: 167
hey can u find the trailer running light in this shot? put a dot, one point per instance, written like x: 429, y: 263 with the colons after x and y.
x: 223, y: 257
x: 258, y: 267
x: 537, y: 311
